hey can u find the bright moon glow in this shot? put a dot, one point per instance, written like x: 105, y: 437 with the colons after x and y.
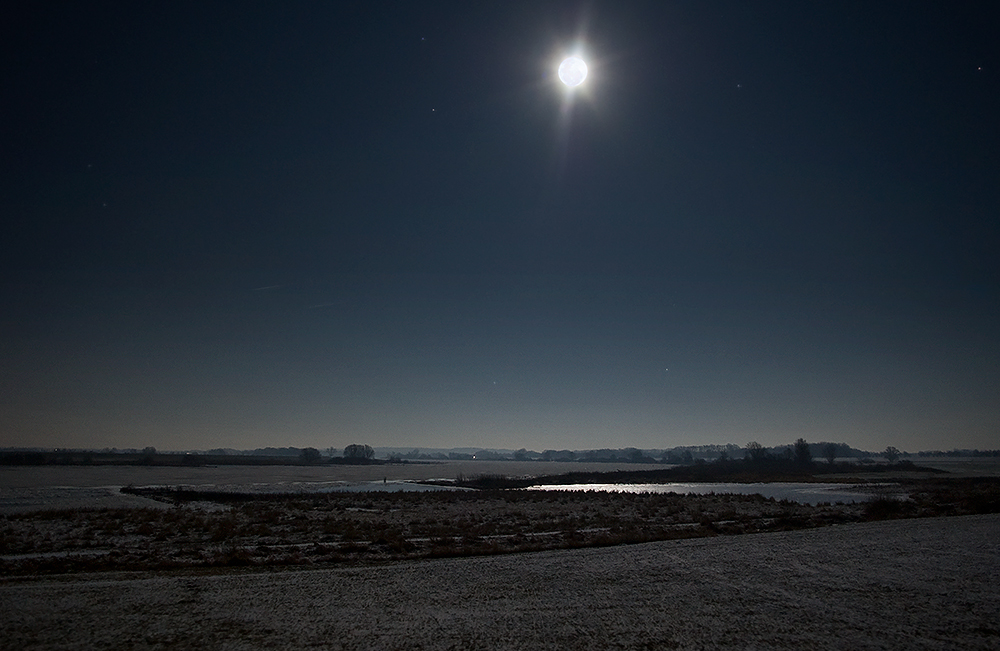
x: 572, y: 71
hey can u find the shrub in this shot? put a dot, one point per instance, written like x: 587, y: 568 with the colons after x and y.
x: 882, y: 508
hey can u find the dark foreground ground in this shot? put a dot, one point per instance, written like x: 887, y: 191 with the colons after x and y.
x: 202, y: 529
x: 903, y: 584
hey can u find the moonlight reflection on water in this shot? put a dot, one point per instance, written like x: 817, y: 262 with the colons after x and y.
x: 802, y: 493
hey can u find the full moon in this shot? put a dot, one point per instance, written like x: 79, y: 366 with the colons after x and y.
x: 572, y: 71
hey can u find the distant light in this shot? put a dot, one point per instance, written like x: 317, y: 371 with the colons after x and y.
x: 572, y: 71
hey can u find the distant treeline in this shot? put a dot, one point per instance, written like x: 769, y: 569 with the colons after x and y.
x: 86, y: 458
x: 365, y: 454
x: 681, y: 455
x: 959, y: 453
x: 61, y: 458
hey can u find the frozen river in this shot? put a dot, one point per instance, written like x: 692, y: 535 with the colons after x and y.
x: 25, y: 488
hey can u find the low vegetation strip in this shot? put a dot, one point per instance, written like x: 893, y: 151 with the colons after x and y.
x: 209, y: 529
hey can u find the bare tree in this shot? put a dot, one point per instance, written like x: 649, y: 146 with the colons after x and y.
x: 803, y: 456
x: 891, y: 454
x: 756, y: 451
x: 309, y: 455
x: 830, y: 452
x: 358, y: 451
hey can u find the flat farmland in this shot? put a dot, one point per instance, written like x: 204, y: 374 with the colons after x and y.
x: 903, y: 584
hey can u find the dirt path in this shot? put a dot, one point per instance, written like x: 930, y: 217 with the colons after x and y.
x: 910, y: 584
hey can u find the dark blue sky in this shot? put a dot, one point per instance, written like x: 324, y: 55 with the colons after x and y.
x: 317, y: 224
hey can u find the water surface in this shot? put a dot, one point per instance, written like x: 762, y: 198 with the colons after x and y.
x: 803, y: 493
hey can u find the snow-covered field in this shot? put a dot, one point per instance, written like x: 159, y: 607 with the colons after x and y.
x: 904, y: 584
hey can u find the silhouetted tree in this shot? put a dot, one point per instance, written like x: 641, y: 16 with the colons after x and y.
x: 357, y: 451
x: 803, y: 456
x: 309, y: 455
x: 830, y: 452
x: 755, y: 451
x: 891, y: 454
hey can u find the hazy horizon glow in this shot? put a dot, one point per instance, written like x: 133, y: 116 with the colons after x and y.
x: 532, y: 362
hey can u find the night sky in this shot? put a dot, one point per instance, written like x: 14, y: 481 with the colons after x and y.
x: 312, y: 224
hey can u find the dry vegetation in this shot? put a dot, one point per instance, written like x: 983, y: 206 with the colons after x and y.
x: 231, y: 529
